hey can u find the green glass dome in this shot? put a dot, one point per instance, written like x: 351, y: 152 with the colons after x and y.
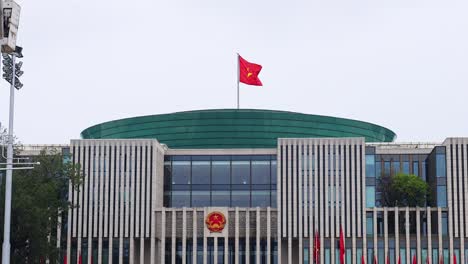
x: 234, y: 128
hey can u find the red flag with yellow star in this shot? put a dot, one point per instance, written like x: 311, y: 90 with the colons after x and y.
x: 248, y: 72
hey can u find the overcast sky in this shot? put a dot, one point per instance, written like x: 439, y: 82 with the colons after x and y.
x: 402, y: 64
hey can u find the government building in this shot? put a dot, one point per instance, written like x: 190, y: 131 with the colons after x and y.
x: 260, y: 186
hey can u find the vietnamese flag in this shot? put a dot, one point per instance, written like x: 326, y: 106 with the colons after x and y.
x: 414, y: 259
x: 316, y: 247
x: 454, y: 259
x: 363, y: 260
x: 399, y: 259
x: 342, y: 246
x: 248, y: 72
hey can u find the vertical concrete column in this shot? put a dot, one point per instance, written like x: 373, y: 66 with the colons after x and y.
x: 174, y: 235
x: 247, y: 236
x: 163, y: 235
x: 226, y: 248
x: 102, y: 200
x: 450, y: 196
x: 290, y: 198
x: 299, y: 183
x: 236, y: 237
x: 184, y: 235
x: 111, y: 199
x: 205, y: 247
x: 363, y: 201
x: 376, y: 249
x: 330, y: 203
x: 295, y: 206
x: 93, y: 198
x: 306, y: 186
x: 280, y: 201
x: 386, y: 232
x: 133, y: 177
x: 153, y: 241
x: 461, y: 199
x: 257, y: 236
x: 322, y: 201
x: 347, y: 175
x: 418, y: 234
x: 407, y: 228
x: 397, y: 234
x: 194, y: 236
x: 325, y: 175
x: 215, y: 250
x: 439, y: 220
x: 311, y: 199
x: 142, y: 250
x: 268, y: 253
x: 429, y: 233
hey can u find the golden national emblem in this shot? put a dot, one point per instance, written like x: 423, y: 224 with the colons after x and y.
x: 215, y: 222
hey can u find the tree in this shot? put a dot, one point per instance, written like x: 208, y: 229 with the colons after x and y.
x: 404, y: 190
x: 38, y: 198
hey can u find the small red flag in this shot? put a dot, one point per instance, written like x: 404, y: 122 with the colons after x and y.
x: 388, y: 259
x: 454, y: 259
x: 375, y: 259
x: 427, y: 260
x: 248, y: 72
x: 363, y: 260
x: 316, y: 247
x: 414, y: 259
x: 399, y: 259
x: 65, y: 259
x: 441, y: 260
x: 342, y: 246
x: 80, y: 259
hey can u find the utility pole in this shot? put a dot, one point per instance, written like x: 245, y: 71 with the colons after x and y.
x: 9, y: 19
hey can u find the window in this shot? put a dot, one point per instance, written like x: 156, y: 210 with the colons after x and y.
x: 370, y: 196
x: 406, y: 167
x: 221, y: 172
x: 442, y: 195
x: 416, y: 168
x: 387, y: 167
x: 261, y: 172
x: 370, y: 166
x: 369, y: 224
x: 181, y: 172
x: 240, y: 172
x: 440, y: 165
x: 200, y: 172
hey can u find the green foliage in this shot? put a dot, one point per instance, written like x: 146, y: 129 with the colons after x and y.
x: 38, y: 198
x: 404, y: 190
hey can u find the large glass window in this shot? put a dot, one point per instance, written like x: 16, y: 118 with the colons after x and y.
x: 201, y: 172
x: 370, y: 196
x: 240, y: 172
x: 181, y: 172
x: 442, y: 195
x: 370, y: 165
x: 261, y: 172
x: 369, y: 224
x: 440, y: 165
x: 221, y: 172
x: 406, y: 166
x: 378, y: 169
x: 416, y: 168
x: 199, y: 181
x: 240, y: 198
x: 387, y: 168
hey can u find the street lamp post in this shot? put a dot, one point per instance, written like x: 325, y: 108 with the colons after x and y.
x: 10, y: 68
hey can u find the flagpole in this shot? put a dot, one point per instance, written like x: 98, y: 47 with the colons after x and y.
x: 238, y: 73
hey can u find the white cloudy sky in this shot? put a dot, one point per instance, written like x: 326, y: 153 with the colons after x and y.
x: 402, y: 64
